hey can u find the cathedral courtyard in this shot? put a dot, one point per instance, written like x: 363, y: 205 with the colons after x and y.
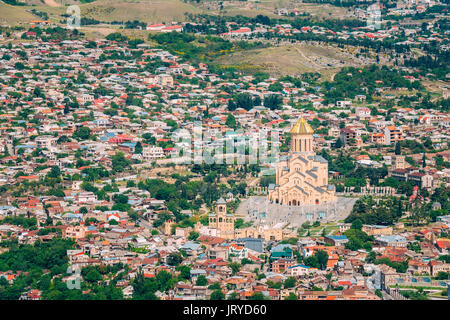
x: 259, y: 210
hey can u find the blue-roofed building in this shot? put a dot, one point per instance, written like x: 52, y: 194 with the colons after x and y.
x: 201, y: 256
x: 73, y: 217
x: 282, y: 251
x: 252, y: 244
x: 161, y: 69
x: 190, y: 247
x: 130, y: 145
x: 134, y: 202
x: 141, y: 113
x: 24, y: 146
x: 392, y: 241
x: 336, y: 240
x: 101, y: 122
x: 7, y: 210
x: 299, y: 270
x: 197, y: 272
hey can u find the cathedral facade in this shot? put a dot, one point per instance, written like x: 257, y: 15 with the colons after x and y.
x: 301, y: 176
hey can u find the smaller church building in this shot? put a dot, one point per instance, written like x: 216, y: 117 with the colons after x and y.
x: 222, y: 221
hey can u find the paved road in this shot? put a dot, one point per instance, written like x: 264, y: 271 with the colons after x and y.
x: 386, y: 296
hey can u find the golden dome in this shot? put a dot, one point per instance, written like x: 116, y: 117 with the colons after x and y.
x: 301, y: 127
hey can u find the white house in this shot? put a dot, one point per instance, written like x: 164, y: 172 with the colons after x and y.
x: 300, y: 270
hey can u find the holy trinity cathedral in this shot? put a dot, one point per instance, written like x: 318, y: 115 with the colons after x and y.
x: 301, y: 176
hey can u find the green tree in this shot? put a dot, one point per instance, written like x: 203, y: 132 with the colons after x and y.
x: 257, y: 296
x: 174, y: 259
x: 144, y: 288
x: 338, y: 144
x: 185, y: 272
x: 217, y: 295
x: 93, y: 276
x: 138, y: 148
x: 273, y: 101
x: 233, y: 296
x: 357, y: 224
x: 55, y: 172
x: 322, y: 259
x: 83, y: 210
x: 119, y: 162
x: 398, y: 150
x: 201, y: 281
x: 83, y: 133
x: 291, y: 296
x: 290, y: 282
x: 193, y: 236
x: 235, y: 267
x: 231, y: 121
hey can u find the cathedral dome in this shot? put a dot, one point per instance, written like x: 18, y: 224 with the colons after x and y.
x: 301, y: 127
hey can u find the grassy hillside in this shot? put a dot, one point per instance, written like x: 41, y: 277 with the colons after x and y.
x: 14, y: 14
x: 267, y: 7
x: 293, y: 60
x: 150, y: 11
x: 156, y: 11
x: 146, y: 10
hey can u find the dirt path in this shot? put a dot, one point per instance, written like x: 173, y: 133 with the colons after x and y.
x: 305, y: 57
x: 332, y: 77
x: 52, y: 3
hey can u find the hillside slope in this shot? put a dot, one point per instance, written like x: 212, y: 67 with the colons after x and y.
x: 14, y: 14
x: 150, y: 11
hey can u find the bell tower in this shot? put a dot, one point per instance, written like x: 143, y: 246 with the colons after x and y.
x: 301, y: 137
x: 221, y: 208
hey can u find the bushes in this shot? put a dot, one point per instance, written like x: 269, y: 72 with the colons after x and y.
x: 350, y: 82
x: 41, y: 255
x: 27, y: 223
x: 186, y: 45
x: 318, y: 260
x: 386, y: 212
x: 266, y: 180
x: 116, y: 36
x: 400, y: 267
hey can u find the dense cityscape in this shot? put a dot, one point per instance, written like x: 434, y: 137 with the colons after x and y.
x: 285, y: 154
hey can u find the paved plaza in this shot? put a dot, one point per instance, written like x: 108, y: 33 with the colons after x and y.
x: 259, y: 210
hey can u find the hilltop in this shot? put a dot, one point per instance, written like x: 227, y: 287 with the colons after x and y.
x: 150, y: 11
x: 290, y: 59
x: 14, y: 14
